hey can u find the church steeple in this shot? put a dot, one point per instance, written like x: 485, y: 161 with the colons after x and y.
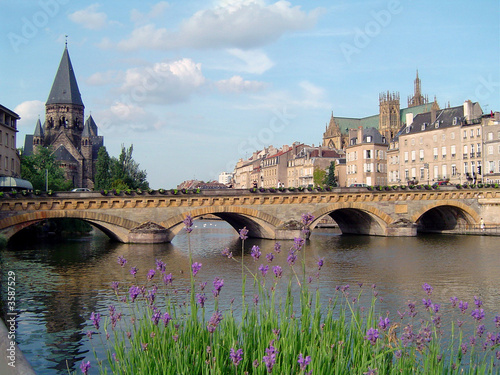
x: 65, y: 88
x: 417, y: 98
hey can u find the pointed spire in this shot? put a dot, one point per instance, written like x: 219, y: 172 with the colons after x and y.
x: 65, y: 88
x: 38, y: 129
x: 90, y: 128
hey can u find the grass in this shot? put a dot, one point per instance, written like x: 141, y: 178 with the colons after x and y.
x: 285, y: 331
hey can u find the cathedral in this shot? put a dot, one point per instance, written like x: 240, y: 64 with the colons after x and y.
x: 75, y: 141
x: 389, y: 120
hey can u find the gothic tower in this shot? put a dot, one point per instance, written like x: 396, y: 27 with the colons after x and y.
x: 332, y: 137
x: 417, y: 98
x: 389, y: 117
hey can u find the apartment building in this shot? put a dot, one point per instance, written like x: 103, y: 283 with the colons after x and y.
x: 366, y: 157
x: 438, y: 145
x: 491, y: 151
x: 10, y: 164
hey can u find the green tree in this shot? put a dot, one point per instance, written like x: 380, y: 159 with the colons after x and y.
x: 318, y: 176
x: 330, y: 179
x: 41, y: 164
x: 102, y: 178
x: 125, y: 171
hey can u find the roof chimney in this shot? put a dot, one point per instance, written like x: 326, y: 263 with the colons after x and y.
x: 409, y: 119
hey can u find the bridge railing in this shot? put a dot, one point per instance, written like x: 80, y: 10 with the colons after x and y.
x: 477, y: 229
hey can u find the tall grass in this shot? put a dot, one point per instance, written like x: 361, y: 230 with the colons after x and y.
x: 284, y: 332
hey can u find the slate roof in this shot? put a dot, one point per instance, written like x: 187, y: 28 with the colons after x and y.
x: 38, y: 129
x: 62, y: 154
x: 65, y: 88
x: 447, y: 117
x: 90, y: 128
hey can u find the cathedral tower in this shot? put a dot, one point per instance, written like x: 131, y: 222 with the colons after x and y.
x: 389, y: 117
x: 417, y: 98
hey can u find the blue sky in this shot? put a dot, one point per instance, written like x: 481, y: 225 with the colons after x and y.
x: 196, y: 85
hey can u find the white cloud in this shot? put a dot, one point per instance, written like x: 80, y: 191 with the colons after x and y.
x: 241, y: 24
x: 29, y: 112
x: 255, y: 61
x: 104, y: 78
x: 238, y: 84
x: 90, y: 18
x: 164, y: 82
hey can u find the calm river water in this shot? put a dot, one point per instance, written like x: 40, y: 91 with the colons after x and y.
x: 60, y: 284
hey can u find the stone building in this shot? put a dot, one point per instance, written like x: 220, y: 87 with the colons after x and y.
x: 388, y: 121
x: 366, y: 157
x: 75, y: 141
x: 439, y: 145
x: 491, y: 140
x: 10, y: 165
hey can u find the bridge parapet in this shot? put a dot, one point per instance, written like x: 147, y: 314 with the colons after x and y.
x: 359, y: 211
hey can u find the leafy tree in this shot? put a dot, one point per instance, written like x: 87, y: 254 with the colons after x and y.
x: 125, y: 171
x: 102, y: 178
x: 330, y: 179
x: 42, y: 163
x: 318, y: 176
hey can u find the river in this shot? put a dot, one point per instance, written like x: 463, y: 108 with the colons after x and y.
x: 59, y: 284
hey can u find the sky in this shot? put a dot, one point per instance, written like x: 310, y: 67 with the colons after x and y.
x: 195, y: 86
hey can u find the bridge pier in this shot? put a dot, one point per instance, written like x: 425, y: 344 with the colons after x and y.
x: 401, y: 228
x: 288, y: 234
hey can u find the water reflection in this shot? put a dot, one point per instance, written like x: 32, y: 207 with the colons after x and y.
x: 60, y: 284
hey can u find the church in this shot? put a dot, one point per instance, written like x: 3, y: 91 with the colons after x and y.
x: 75, y: 141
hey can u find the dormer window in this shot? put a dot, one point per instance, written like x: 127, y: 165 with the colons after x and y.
x: 436, y: 125
x: 423, y: 127
x: 368, y: 138
x: 454, y: 120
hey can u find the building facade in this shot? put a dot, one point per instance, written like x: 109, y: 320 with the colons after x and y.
x: 10, y: 165
x: 75, y: 141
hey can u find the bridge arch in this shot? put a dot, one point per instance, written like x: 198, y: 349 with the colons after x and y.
x: 355, y: 218
x: 259, y: 224
x: 447, y: 215
x: 114, y: 227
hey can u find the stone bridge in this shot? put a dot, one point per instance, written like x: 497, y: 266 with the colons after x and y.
x: 154, y: 218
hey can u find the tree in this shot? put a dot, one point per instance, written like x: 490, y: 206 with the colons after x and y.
x: 102, y: 178
x: 125, y: 171
x: 330, y: 179
x: 318, y: 176
x: 40, y: 165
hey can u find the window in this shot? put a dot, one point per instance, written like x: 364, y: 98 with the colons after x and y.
x: 465, y: 152
x: 368, y: 138
x: 435, y: 153
x: 465, y: 134
x: 453, y: 170
x: 466, y: 168
x: 490, y: 136
x: 421, y: 155
x: 444, y: 171
x: 491, y: 166
x: 478, y: 132
x: 13, y: 144
x: 422, y: 173
x: 414, y: 173
x: 413, y: 156
x: 453, y: 150
x: 406, y: 156
x: 368, y: 154
x: 490, y: 150
x: 407, y: 174
x: 443, y: 152
x: 472, y: 133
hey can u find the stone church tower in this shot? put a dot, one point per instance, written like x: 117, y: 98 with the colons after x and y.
x: 417, y: 98
x: 389, y: 121
x: 75, y: 142
x: 332, y: 137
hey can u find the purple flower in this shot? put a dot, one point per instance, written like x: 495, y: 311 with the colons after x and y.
x: 269, y: 257
x: 464, y: 348
x: 320, y: 263
x: 201, y: 299
x: 384, y: 323
x: 427, y: 303
x: 463, y: 306
x: 255, y: 252
x: 133, y: 271
x: 218, y: 284
x: 478, y: 302
x: 454, y: 301
x: 480, y: 330
x: 227, y: 253
x: 477, y: 314
x: 263, y: 269
x: 277, y: 247
x: 114, y: 285
x: 96, y: 318
x: 167, y: 279
x: 497, y: 321
x: 236, y: 356
x: 372, y: 335
x: 156, y: 317
x: 166, y: 318
x: 291, y: 258
x: 270, y: 358
x: 371, y: 371
x: 428, y: 289
x: 85, y: 367
x: 436, y: 307
x: 278, y: 271
x: 243, y: 233
x: 188, y: 223
x: 298, y: 243
x: 122, y: 261
x: 214, y: 321
x: 303, y: 362
x: 307, y: 219
x: 196, y: 267
x: 144, y: 346
x: 151, y: 274
x: 134, y: 292
x: 160, y: 266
